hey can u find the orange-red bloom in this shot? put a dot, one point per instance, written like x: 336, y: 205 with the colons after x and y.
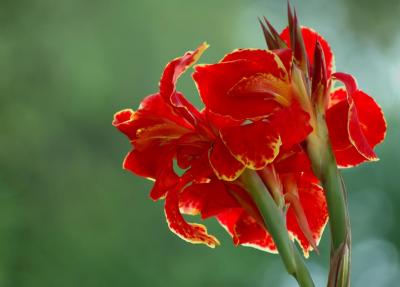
x: 212, y: 150
x: 258, y: 114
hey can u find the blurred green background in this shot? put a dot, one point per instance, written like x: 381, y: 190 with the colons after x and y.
x: 70, y: 216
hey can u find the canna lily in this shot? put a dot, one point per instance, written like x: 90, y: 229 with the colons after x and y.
x: 248, y: 84
x: 262, y: 157
x: 213, y: 149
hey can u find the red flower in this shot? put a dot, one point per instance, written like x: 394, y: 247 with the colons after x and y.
x: 213, y: 149
x: 253, y: 84
x: 355, y: 121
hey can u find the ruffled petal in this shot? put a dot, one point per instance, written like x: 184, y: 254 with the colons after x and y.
x: 245, y: 230
x: 186, y: 155
x: 245, y: 84
x: 274, y: 62
x: 170, y: 76
x: 162, y: 133
x: 219, y: 121
x: 153, y: 110
x: 310, y: 38
x: 258, y: 55
x: 262, y: 86
x: 208, y: 199
x: 154, y: 166
x: 348, y: 157
x: 337, y: 120
x: 191, y: 232
x: 312, y: 201
x: 254, y: 145
x: 153, y: 114
x: 292, y: 124
x: 166, y: 180
x: 200, y: 170
x: 250, y: 233
x: 357, y: 137
x: 356, y: 124
x: 141, y: 163
x: 225, y: 166
x: 228, y: 221
x: 370, y: 117
x: 123, y: 120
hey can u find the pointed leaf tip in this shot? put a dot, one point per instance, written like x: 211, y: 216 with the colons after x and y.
x: 267, y: 35
x: 319, y: 77
x: 297, y: 41
x: 273, y: 35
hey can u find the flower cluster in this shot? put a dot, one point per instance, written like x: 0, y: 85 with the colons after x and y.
x: 261, y: 106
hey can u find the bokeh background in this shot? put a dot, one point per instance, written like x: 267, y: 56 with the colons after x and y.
x: 70, y: 216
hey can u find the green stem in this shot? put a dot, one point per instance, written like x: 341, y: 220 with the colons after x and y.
x: 276, y: 225
x: 325, y: 167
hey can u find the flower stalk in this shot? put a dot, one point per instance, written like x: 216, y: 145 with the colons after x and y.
x: 325, y: 168
x: 324, y: 165
x: 275, y: 223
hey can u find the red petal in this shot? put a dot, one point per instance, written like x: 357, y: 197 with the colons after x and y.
x: 292, y: 124
x: 209, y: 199
x: 171, y: 74
x: 356, y: 136
x: 255, y: 144
x: 245, y: 201
x: 154, y: 166
x: 262, y: 86
x: 250, y: 233
x: 371, y: 118
x: 200, y: 170
x: 216, y: 82
x: 337, y: 95
x: 162, y: 133
x: 245, y: 224
x: 186, y: 109
x: 191, y: 232
x: 219, y: 121
x: 357, y: 128
x: 154, y: 127
x: 277, y: 60
x: 225, y: 166
x: 348, y: 80
x: 348, y: 157
x: 165, y: 181
x: 245, y: 230
x: 310, y: 38
x: 187, y: 154
x: 141, y: 163
x: 286, y: 57
x: 123, y: 121
x: 228, y: 221
x: 312, y: 200
x: 337, y: 120
x: 293, y: 162
x: 191, y: 200
x: 356, y: 124
x: 153, y: 109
